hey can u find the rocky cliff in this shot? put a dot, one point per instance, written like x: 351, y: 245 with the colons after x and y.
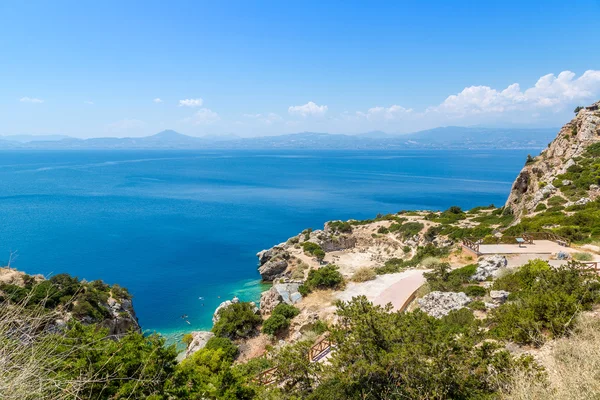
x: 540, y: 179
x: 71, y: 299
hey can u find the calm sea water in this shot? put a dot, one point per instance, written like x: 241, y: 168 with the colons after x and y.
x: 176, y: 227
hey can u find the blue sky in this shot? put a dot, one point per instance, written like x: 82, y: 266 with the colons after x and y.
x: 269, y: 67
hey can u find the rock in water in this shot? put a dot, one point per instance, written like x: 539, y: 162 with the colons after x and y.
x: 488, y: 267
x: 438, y: 304
x: 199, y: 339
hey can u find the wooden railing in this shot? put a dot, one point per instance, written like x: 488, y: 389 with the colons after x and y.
x: 549, y: 236
x: 409, y: 300
x: 316, y: 353
x: 471, y: 244
x: 588, y: 265
x: 267, y: 377
x: 320, y: 349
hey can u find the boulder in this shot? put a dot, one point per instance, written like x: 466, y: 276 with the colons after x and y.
x: 272, y: 262
x: 438, y: 304
x: 272, y: 269
x: 488, y: 267
x: 269, y: 300
x: 279, y: 293
x: 199, y: 340
x: 499, y: 296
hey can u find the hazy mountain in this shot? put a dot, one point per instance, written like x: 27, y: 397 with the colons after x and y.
x: 32, y: 138
x: 439, y: 138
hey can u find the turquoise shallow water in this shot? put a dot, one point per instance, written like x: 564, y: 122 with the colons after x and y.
x: 177, y: 226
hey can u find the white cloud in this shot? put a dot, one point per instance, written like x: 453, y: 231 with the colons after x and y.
x: 30, y: 100
x: 550, y: 92
x: 126, y: 125
x: 158, y: 100
x: 385, y: 113
x: 203, y: 116
x: 88, y: 102
x: 308, y: 109
x: 268, y: 118
x: 191, y: 102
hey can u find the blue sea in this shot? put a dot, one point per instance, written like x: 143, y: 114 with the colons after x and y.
x: 181, y: 229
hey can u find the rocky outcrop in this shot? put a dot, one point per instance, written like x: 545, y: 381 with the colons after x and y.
x: 123, y: 317
x: 438, y: 304
x: 332, y: 241
x: 273, y: 262
x: 489, y: 267
x: 279, y: 293
x: 199, y: 340
x: 534, y: 183
x: 226, y: 304
x: 499, y: 296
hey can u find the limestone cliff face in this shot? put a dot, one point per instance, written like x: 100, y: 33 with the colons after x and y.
x: 534, y: 183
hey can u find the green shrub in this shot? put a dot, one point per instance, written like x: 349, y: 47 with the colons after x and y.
x: 583, y: 257
x: 187, y: 339
x: 407, y: 230
x: 304, y: 290
x: 477, y: 305
x: 556, y: 201
x: 327, y: 277
x: 287, y: 310
x: 319, y: 254
x: 544, y: 302
x: 310, y: 247
x: 406, y: 249
x: 391, y: 266
x: 340, y: 226
x: 446, y: 280
x: 475, y: 291
x: 383, y: 230
x: 236, y: 321
x: 540, y: 207
x: 275, y: 324
x: 229, y: 349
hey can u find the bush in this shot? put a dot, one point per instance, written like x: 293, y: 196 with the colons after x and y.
x: 236, y: 321
x: 364, y: 274
x: 340, y: 226
x: 391, y: 266
x: 288, y: 311
x: 304, y: 290
x: 230, y: 350
x: 327, y: 277
x: 383, y: 230
x: 275, y: 323
x: 310, y: 247
x: 544, y: 302
x: 475, y: 291
x: 187, y: 339
x: 477, y: 305
x: 583, y: 257
x: 540, y: 207
x: 445, y: 280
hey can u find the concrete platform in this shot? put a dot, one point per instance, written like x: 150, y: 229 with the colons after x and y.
x: 538, y: 247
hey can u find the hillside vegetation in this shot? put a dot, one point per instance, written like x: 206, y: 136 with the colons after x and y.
x: 527, y: 332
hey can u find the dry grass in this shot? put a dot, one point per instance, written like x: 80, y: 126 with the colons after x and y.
x: 583, y: 257
x: 572, y: 365
x: 29, y: 356
x: 364, y: 274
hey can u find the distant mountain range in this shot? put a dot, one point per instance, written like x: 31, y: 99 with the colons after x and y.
x: 439, y: 138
